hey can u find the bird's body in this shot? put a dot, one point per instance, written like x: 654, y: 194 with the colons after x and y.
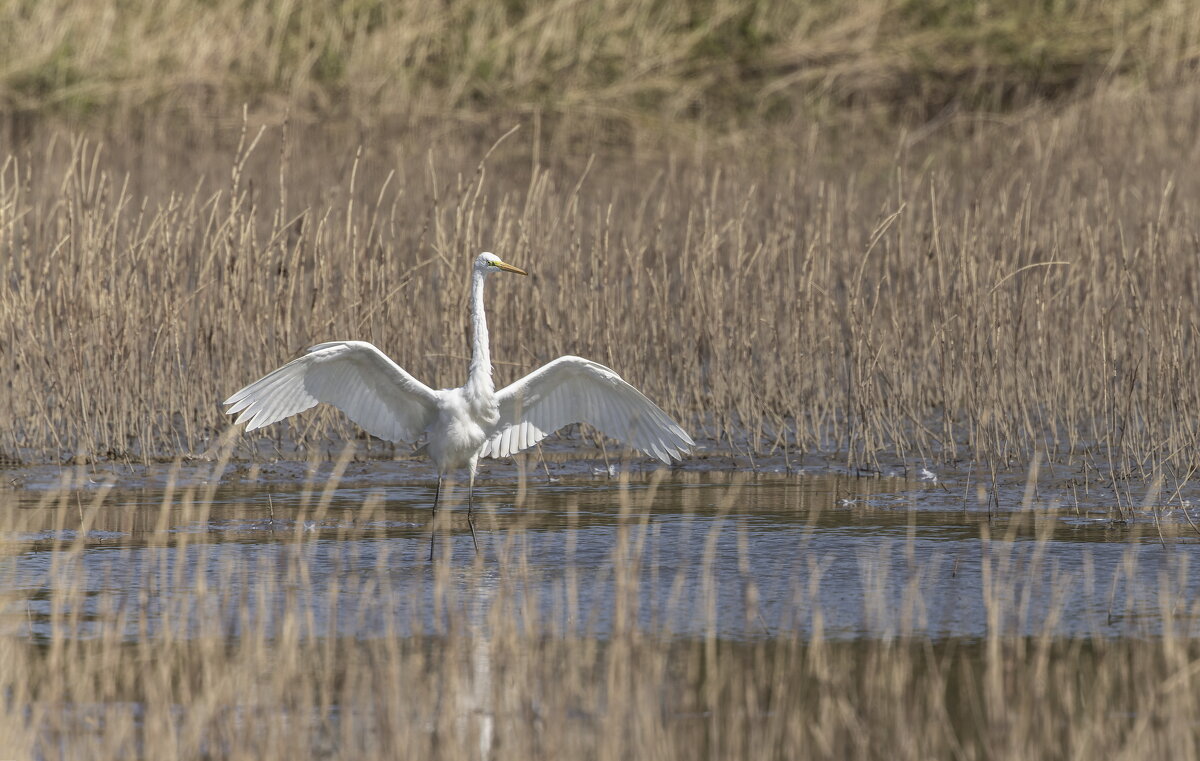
x: 461, y: 421
x: 461, y: 424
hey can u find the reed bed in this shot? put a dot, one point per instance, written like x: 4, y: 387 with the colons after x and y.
x: 291, y: 645
x: 975, y: 291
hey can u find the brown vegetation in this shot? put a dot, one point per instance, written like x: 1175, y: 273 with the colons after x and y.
x: 974, y: 289
x: 212, y: 653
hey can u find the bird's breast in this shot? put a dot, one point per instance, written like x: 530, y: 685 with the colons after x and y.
x: 482, y: 406
x: 459, y: 432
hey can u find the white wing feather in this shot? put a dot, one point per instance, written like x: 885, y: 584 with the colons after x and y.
x: 575, y: 390
x: 353, y: 376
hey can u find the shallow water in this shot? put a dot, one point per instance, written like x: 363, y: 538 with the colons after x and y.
x: 683, y: 555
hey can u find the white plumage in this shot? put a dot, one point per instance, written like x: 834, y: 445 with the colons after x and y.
x: 576, y: 390
x: 463, y: 423
x: 353, y: 376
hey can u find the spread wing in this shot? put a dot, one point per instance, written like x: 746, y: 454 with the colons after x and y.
x: 353, y: 376
x: 575, y: 390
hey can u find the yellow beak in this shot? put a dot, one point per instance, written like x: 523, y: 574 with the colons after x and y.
x: 509, y: 268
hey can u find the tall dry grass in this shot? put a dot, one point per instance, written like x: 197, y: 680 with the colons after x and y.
x: 980, y: 291
x: 188, y: 650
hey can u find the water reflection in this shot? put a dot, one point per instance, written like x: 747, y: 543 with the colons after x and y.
x: 839, y: 557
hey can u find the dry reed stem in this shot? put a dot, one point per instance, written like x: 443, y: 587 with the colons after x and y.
x: 312, y: 645
x: 988, y: 293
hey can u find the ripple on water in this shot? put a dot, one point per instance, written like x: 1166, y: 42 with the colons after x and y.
x: 764, y: 557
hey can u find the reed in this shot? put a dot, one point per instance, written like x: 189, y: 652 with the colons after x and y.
x: 979, y: 293
x: 314, y: 644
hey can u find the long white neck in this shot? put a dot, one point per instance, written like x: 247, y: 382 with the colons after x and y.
x: 479, y: 380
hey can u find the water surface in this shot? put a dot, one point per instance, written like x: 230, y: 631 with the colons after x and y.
x: 681, y: 554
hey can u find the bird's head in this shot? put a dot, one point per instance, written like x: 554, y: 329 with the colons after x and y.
x: 487, y: 262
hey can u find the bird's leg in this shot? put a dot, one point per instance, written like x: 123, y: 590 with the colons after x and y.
x: 470, y: 489
x: 437, y: 495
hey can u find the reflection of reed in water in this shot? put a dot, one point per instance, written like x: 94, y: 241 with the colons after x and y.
x: 343, y: 642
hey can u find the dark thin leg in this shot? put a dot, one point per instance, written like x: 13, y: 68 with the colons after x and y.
x: 470, y: 489
x: 433, y: 528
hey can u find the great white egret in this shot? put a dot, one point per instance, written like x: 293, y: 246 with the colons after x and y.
x: 461, y: 424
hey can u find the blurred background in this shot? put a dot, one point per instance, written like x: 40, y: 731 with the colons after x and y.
x: 613, y: 72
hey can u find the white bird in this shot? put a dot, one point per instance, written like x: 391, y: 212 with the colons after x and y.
x: 462, y: 424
